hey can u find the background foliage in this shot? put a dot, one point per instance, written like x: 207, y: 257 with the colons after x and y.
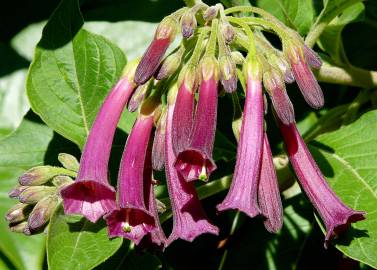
x: 69, y: 54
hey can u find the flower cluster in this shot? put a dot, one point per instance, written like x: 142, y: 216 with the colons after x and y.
x: 38, y: 193
x: 176, y: 98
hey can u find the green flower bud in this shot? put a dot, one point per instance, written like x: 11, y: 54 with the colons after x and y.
x: 62, y: 181
x: 41, y: 213
x: 18, y: 213
x: 188, y: 24
x: 18, y: 228
x: 69, y: 162
x: 34, y: 194
x: 228, y: 32
x: 210, y: 13
x: 41, y: 174
x: 238, y: 58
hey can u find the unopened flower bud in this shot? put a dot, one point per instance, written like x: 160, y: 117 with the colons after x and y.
x: 228, y: 73
x: 42, y: 212
x: 282, y: 64
x: 312, y: 57
x: 210, y: 13
x: 137, y: 97
x: 62, y: 181
x: 15, y: 192
x: 148, y: 65
x: 188, y: 24
x: 170, y: 65
x: 18, y: 213
x: 69, y: 162
x: 18, y: 228
x: 274, y: 84
x: 228, y: 32
x: 158, y: 149
x: 238, y: 58
x: 38, y: 175
x: 34, y: 194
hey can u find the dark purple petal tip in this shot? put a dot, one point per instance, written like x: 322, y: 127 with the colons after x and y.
x: 89, y: 198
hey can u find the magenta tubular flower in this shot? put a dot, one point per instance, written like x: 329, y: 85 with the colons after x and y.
x: 91, y: 195
x: 242, y: 194
x: 184, y: 112
x: 131, y: 219
x: 305, y: 79
x: 151, y: 59
x: 336, y: 216
x: 196, y: 162
x: 189, y: 219
x: 268, y: 191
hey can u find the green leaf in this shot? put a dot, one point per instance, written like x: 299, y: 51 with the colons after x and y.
x: 13, y: 101
x: 348, y: 159
x: 71, y: 73
x: 25, y: 148
x: 332, y: 8
x: 76, y: 243
x: 298, y: 14
x: 331, y: 38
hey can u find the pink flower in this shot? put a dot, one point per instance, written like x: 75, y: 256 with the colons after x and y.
x: 268, y: 191
x: 195, y: 162
x: 242, y: 194
x: 131, y: 219
x: 189, y: 219
x: 336, y: 216
x: 91, y: 195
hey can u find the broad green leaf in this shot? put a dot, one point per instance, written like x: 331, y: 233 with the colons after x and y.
x: 71, y: 73
x: 348, y: 159
x: 331, y: 38
x: 25, y: 148
x: 76, y: 243
x: 298, y: 14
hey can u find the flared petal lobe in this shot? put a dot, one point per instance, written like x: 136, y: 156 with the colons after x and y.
x: 91, y: 195
x: 242, y: 194
x: 268, y: 191
x: 336, y: 216
x: 132, y: 219
x: 189, y: 218
x: 195, y: 162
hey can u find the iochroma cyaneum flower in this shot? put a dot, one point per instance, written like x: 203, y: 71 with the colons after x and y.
x: 176, y: 98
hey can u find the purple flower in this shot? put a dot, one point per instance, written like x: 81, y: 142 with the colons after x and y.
x: 91, y: 195
x: 336, y: 216
x: 131, y: 219
x: 312, y: 57
x: 305, y: 79
x: 189, y: 218
x: 184, y: 111
x: 242, y: 194
x: 195, y: 162
x: 268, y: 191
x: 151, y: 59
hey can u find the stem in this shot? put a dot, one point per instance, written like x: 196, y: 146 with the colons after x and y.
x: 211, y: 47
x: 352, y: 76
x: 246, y: 28
x: 198, y: 48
